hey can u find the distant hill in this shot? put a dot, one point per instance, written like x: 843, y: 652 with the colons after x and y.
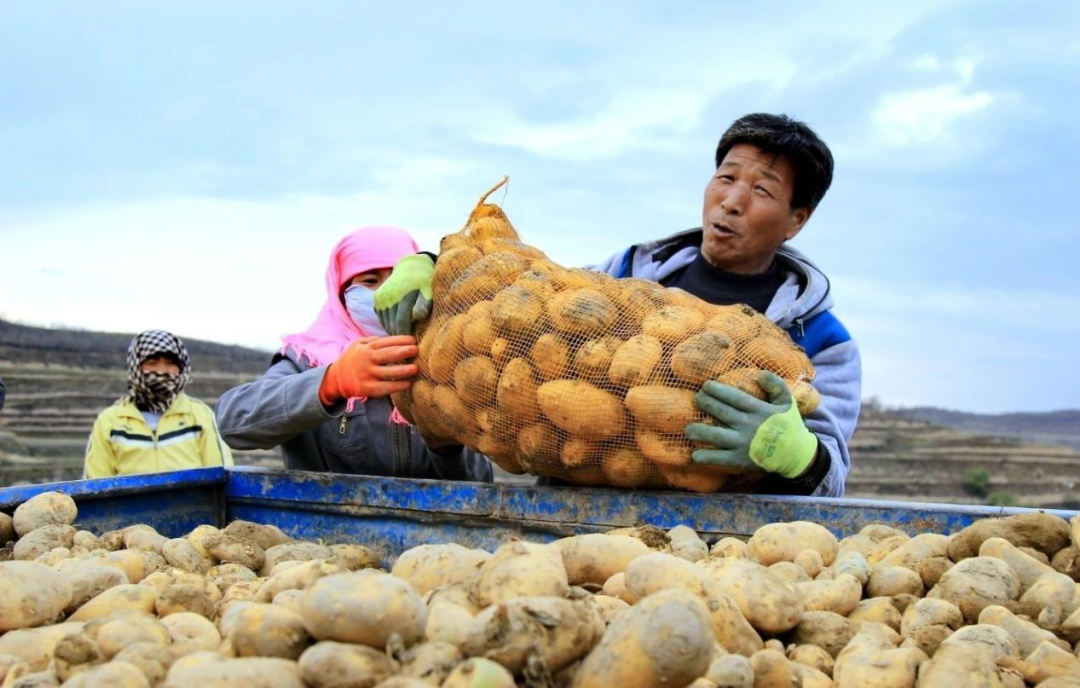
x: 86, y: 349
x: 1053, y: 427
x: 59, y: 379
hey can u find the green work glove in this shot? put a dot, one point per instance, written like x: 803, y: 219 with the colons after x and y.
x: 753, y: 433
x: 405, y: 297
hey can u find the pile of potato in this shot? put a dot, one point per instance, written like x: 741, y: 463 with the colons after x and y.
x: 573, y: 374
x: 996, y: 604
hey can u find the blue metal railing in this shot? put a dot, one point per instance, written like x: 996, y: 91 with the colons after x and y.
x: 392, y: 514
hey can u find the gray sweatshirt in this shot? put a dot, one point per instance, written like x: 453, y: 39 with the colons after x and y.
x: 802, y: 306
x: 282, y: 408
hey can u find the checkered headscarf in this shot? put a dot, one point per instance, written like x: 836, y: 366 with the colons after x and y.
x: 155, y: 391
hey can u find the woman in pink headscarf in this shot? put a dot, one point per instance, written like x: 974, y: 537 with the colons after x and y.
x: 326, y: 396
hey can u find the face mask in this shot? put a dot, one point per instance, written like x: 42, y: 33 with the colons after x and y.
x: 360, y: 302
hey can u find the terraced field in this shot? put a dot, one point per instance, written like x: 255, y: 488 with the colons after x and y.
x: 59, y: 380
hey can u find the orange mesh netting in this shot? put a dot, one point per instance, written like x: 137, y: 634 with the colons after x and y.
x: 574, y: 374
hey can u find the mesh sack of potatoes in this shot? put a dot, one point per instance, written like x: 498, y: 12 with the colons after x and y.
x: 573, y: 374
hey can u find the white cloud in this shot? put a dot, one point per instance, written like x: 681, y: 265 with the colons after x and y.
x: 923, y: 116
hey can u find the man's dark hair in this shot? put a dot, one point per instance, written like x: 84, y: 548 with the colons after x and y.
x: 781, y: 135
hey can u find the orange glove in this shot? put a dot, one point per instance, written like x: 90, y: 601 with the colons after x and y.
x: 366, y: 369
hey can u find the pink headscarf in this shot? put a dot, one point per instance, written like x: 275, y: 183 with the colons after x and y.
x: 368, y: 248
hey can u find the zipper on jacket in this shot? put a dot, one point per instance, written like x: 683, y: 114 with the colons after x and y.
x: 799, y: 322
x: 342, y: 425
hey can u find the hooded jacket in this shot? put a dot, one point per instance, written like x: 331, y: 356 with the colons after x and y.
x: 802, y: 306
x: 282, y: 408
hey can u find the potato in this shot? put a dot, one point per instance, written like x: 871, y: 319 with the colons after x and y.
x: 886, y: 581
x: 537, y: 445
x: 593, y: 359
x: 729, y: 547
x: 118, y: 631
x: 268, y: 630
x: 516, y: 310
x: 840, y: 595
x: 828, y: 630
x: 45, y: 509
x: 811, y: 656
x: 671, y: 324
x: 475, y: 379
x: 871, y: 659
x: 447, y: 623
x: 1027, y: 635
x: 1052, y: 598
x: 452, y: 262
x: 702, y: 357
x: 521, y: 569
x: 996, y: 639
x: 486, y: 276
x: 427, y: 567
x: 479, y: 673
x: 550, y: 356
x: 440, y: 349
x: 560, y: 631
x: 31, y: 594
x: 635, y: 361
x: 582, y: 312
x: 665, y: 639
x: 478, y: 332
x: 87, y: 581
x: 263, y: 535
x: 225, y: 575
x: 329, y: 664
x: 581, y: 409
x: 773, y: 670
x: 1045, y: 532
x: 151, y: 659
x: 576, y: 452
x: 663, y: 409
x: 596, y: 557
x: 516, y: 391
x: 430, y: 663
x: 298, y: 551
x: 211, y: 670
x: 140, y: 598
x: 790, y: 570
x: 118, y: 673
x: 651, y: 573
x: 35, y: 646
x: 145, y: 540
x: 500, y: 350
x: 76, y: 653
x: 807, y: 399
x: 192, y: 594
x: 783, y: 542
x: 7, y: 533
x: 877, y: 610
x: 179, y: 552
x: 1027, y: 568
x: 227, y: 548
x: 910, y: 552
x: 536, y: 283
x: 695, y: 478
x: 978, y: 582
x: 625, y: 468
x: 730, y: 671
x: 1045, y: 663
x: 363, y: 607
x: 187, y: 628
x: 42, y: 540
x: 746, y: 380
x: 666, y: 448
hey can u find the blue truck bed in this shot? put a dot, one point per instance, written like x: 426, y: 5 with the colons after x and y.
x: 392, y: 514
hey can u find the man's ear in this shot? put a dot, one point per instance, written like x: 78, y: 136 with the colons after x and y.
x: 799, y: 218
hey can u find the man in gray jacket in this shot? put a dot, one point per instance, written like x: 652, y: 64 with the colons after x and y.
x: 771, y: 173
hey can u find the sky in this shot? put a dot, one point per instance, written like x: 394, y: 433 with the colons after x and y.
x: 189, y: 165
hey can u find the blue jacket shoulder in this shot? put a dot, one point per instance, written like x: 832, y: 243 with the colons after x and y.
x: 818, y: 333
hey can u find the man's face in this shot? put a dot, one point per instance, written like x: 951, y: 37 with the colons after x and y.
x: 747, y: 212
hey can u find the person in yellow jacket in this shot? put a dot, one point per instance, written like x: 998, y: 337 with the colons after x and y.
x: 155, y: 427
